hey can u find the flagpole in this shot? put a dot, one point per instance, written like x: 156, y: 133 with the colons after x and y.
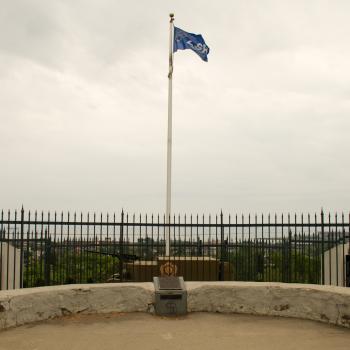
x: 169, y: 142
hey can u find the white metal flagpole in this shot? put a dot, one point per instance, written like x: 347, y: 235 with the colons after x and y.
x: 169, y: 143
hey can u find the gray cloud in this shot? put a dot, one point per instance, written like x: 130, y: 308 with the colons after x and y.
x: 262, y: 127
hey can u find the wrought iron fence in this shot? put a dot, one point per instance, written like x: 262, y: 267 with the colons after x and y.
x: 38, y: 249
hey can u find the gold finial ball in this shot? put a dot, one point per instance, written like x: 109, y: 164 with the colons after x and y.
x: 171, y: 15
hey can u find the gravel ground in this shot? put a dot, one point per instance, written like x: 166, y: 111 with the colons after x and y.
x: 195, y: 331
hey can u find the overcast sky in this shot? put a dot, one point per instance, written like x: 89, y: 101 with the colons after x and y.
x: 264, y: 126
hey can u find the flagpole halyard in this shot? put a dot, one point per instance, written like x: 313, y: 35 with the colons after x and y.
x: 169, y: 141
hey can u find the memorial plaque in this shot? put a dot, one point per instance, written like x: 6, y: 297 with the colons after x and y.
x: 169, y: 283
x: 170, y: 296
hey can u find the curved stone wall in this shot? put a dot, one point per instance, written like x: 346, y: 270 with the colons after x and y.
x: 312, y: 302
x: 321, y: 303
x: 22, y: 306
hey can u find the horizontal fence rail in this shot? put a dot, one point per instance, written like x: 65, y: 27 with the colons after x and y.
x: 38, y: 249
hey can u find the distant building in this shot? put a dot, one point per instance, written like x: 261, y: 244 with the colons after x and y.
x: 10, y: 260
x: 337, y: 265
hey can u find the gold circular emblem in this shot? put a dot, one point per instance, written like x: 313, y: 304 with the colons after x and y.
x: 168, y: 269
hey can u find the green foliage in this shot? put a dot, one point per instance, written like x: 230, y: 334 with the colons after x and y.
x: 252, y: 262
x: 67, y: 267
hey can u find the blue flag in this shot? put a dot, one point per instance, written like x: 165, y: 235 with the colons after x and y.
x: 195, y: 42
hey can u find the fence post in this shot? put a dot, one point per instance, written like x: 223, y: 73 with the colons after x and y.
x: 290, y: 263
x: 47, y: 259
x: 284, y: 260
x: 222, y: 265
x: 322, y: 246
x: 121, y: 250
x: 21, y: 249
x: 347, y: 270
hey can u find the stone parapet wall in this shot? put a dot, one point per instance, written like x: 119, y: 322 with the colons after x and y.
x: 321, y: 303
x: 306, y: 301
x: 22, y: 306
